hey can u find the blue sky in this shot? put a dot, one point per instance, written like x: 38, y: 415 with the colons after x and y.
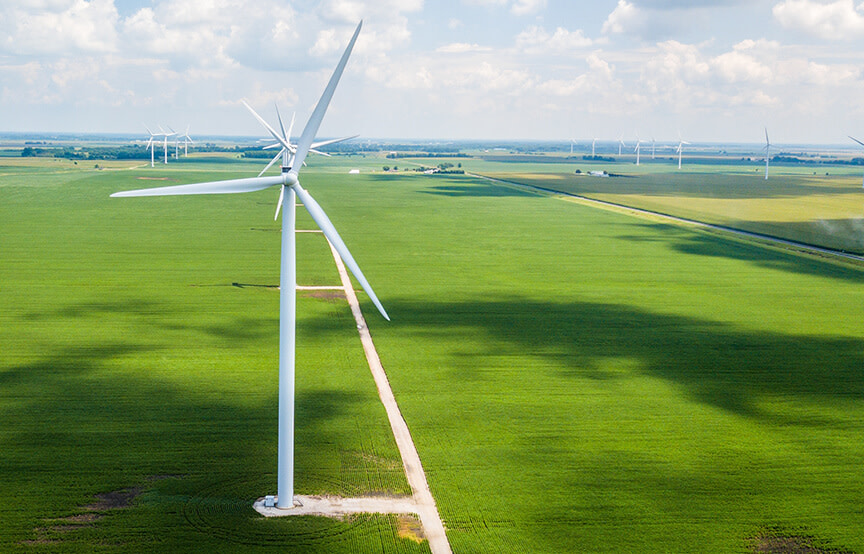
x: 712, y: 70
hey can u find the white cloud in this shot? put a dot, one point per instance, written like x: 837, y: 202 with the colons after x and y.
x: 461, y: 48
x: 536, y: 39
x: 623, y: 18
x: 839, y: 20
x: 527, y: 7
x: 68, y: 27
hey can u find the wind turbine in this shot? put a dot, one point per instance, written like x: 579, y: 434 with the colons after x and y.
x: 187, y: 140
x: 151, y: 144
x: 767, y: 152
x: 572, y: 142
x: 287, y: 149
x: 620, y: 144
x: 165, y: 144
x: 638, y: 148
x: 289, y: 181
x: 653, y: 147
x: 856, y: 140
x: 593, y: 143
x: 680, y: 150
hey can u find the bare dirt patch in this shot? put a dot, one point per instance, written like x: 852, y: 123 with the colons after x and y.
x: 114, y: 500
x: 81, y: 518
x: 410, y: 528
x: 790, y: 544
x: 323, y: 294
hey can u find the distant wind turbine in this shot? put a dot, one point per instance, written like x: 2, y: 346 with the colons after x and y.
x: 572, y: 142
x: 187, y: 140
x: 638, y: 148
x: 621, y: 144
x: 289, y: 182
x: 653, y: 147
x: 593, y: 143
x: 151, y: 144
x: 859, y: 142
x: 680, y: 150
x: 767, y: 152
x: 165, y: 144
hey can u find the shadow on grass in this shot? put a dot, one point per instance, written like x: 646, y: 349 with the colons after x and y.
x: 476, y: 190
x: 720, y: 244
x: 716, y: 364
x: 93, y: 419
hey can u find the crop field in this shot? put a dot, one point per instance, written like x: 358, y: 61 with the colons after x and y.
x: 575, y: 380
x: 818, y: 205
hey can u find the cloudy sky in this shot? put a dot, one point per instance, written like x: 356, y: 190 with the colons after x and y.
x: 712, y: 70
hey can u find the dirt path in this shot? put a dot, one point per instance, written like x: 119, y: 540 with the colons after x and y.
x: 433, y: 528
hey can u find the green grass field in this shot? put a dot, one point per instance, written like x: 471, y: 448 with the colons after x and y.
x: 575, y: 380
x: 800, y: 203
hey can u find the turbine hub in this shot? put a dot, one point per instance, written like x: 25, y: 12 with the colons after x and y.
x: 289, y: 179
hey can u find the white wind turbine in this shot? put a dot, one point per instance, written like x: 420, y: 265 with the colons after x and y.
x: 572, y: 142
x: 287, y: 149
x: 856, y: 140
x: 653, y: 147
x: 680, y: 150
x: 165, y: 144
x: 593, y: 144
x: 287, y: 180
x: 621, y: 144
x: 151, y: 144
x: 187, y: 140
x: 767, y: 152
x: 638, y: 148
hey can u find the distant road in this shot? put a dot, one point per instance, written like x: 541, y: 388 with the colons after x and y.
x: 768, y: 238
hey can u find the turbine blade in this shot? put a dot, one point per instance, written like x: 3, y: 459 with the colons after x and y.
x: 311, y: 129
x: 333, y: 236
x: 279, y: 204
x: 212, y: 187
x: 281, y: 125
x: 291, y: 127
x: 319, y: 153
x: 331, y: 141
x: 273, y: 161
x: 266, y: 125
x: 856, y: 140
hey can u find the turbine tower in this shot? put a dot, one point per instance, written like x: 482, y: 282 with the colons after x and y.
x: 767, y: 152
x: 621, y: 144
x: 653, y: 147
x: 638, y: 148
x: 289, y: 182
x: 593, y: 143
x: 859, y: 142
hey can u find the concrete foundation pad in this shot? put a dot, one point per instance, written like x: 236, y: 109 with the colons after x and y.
x: 338, y: 507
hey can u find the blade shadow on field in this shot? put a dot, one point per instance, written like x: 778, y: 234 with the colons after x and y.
x: 715, y: 363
